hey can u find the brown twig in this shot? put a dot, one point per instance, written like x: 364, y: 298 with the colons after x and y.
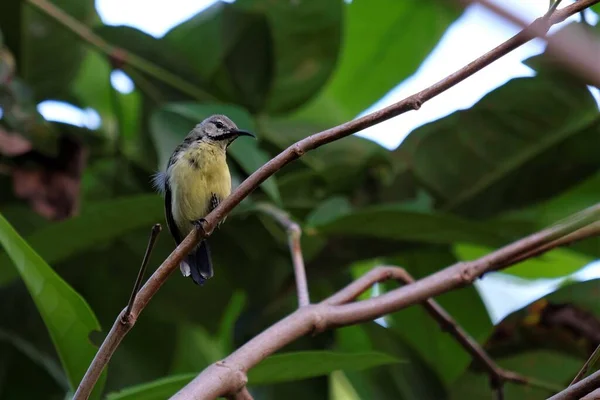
x: 577, y: 50
x: 138, y: 281
x: 580, y: 389
x: 588, y: 231
x: 593, y: 359
x: 418, y: 291
x: 294, y: 233
x: 335, y: 311
x: 498, y: 376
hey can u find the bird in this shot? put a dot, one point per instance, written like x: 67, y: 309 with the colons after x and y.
x: 195, y: 181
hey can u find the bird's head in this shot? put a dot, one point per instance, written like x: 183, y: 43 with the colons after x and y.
x: 219, y: 130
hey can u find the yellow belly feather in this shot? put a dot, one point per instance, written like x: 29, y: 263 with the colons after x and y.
x: 198, y: 173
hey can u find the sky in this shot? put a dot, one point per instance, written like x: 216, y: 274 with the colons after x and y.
x: 474, y: 33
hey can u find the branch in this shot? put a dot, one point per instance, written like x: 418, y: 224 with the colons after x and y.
x: 498, y: 376
x: 579, y: 389
x: 336, y: 311
x: 117, y: 53
x: 417, y: 292
x: 122, y: 325
x: 576, y: 49
x: 294, y: 233
x: 592, y: 360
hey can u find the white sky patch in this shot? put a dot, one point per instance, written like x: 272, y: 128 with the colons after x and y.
x: 59, y: 111
x: 151, y: 16
x: 121, y: 82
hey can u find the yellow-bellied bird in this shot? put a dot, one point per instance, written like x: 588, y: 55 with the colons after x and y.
x: 197, y: 179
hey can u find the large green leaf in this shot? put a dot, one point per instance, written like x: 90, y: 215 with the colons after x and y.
x: 396, y: 222
x: 43, y: 47
x: 98, y: 223
x: 172, y: 123
x: 283, y: 367
x: 522, y: 143
x: 554, y: 264
x: 552, y: 369
x: 307, y: 38
x: 379, y: 50
x: 66, y: 314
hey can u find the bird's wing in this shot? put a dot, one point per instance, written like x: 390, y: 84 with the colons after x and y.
x: 169, y: 215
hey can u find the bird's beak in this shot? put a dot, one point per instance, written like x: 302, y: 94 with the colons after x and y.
x: 241, y: 132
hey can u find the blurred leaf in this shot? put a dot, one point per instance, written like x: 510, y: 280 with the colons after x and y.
x: 67, y: 316
x: 554, y: 264
x: 285, y: 367
x: 359, y: 81
x: 552, y: 369
x: 307, y: 39
x: 156, y: 390
x: 276, y: 368
x: 227, y: 326
x: 502, y: 153
x: 196, y: 349
x: 172, y: 123
x: 394, y: 222
x: 98, y: 223
x: 43, y: 47
x: 329, y: 210
x: 413, y: 380
x: 37, y: 356
x: 160, y: 53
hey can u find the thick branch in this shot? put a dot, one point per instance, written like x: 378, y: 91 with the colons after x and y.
x: 336, y: 311
x: 435, y: 284
x: 294, y: 233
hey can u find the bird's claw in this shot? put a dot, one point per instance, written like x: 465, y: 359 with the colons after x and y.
x: 199, y: 225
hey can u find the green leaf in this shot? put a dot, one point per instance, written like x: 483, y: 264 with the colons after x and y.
x: 371, y: 63
x: 329, y: 210
x: 97, y: 223
x: 159, y: 389
x: 522, y: 143
x: 554, y: 370
x: 227, y: 325
x: 45, y: 48
x: 395, y: 222
x: 437, y: 348
x: 554, y: 264
x: 307, y: 40
x: 283, y: 367
x: 172, y: 123
x: 66, y: 314
x: 292, y: 366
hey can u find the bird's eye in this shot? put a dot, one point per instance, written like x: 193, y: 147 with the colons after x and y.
x: 219, y: 125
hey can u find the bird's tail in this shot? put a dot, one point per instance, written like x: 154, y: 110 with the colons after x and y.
x: 198, y: 264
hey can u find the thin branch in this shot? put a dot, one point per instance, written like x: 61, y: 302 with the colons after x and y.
x: 419, y: 291
x: 336, y: 312
x: 498, y: 376
x: 588, y: 231
x: 243, y: 394
x: 577, y: 49
x: 593, y: 359
x: 123, y: 56
x: 294, y: 233
x: 138, y: 281
x: 579, y: 389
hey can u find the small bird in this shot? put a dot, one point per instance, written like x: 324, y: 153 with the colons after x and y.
x: 196, y: 180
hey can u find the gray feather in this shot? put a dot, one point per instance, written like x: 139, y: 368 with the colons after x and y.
x: 159, y: 181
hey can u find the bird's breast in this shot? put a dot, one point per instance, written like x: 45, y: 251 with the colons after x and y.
x: 198, y: 173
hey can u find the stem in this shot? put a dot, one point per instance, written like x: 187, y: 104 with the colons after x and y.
x: 141, y: 64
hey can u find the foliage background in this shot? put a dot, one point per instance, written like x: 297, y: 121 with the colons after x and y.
x: 77, y: 204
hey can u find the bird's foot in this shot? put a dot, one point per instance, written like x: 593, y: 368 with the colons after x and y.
x: 199, y: 225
